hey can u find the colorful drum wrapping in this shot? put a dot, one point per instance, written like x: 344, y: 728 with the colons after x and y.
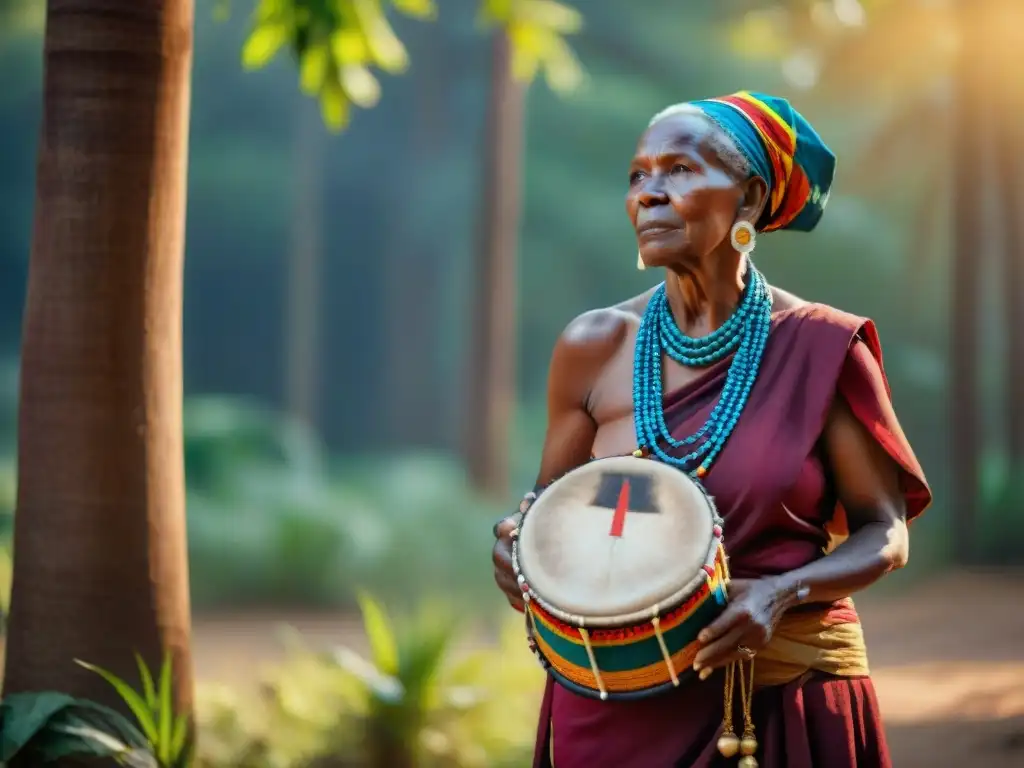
x: 614, y: 605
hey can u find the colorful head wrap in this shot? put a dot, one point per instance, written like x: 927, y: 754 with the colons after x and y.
x: 784, y: 150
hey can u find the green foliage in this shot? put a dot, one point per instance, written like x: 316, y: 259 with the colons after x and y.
x: 537, y: 31
x: 338, y: 44
x: 419, y: 701
x: 166, y: 733
x: 1001, y: 532
x: 312, y: 533
x: 42, y: 728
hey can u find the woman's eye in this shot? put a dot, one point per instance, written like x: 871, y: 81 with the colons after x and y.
x: 636, y: 176
x: 679, y: 168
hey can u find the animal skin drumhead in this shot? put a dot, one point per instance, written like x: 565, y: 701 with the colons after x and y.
x: 616, y: 536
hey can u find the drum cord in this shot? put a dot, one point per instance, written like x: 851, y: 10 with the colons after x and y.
x: 729, y: 744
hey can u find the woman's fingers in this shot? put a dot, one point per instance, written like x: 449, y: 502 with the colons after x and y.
x: 504, y: 575
x: 731, y: 617
x: 504, y: 527
x: 714, y: 653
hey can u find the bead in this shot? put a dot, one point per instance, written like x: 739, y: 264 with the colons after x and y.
x: 717, y: 531
x: 728, y: 744
x: 748, y: 745
x: 748, y: 762
x: 743, y: 335
x: 639, y: 453
x: 524, y: 586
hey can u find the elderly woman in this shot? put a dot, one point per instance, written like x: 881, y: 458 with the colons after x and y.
x: 804, y: 452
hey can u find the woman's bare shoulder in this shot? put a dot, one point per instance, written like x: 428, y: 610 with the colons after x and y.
x: 592, y: 338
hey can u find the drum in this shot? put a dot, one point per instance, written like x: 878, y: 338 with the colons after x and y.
x: 621, y: 565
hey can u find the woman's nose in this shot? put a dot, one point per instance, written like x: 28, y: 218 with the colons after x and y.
x: 652, y: 194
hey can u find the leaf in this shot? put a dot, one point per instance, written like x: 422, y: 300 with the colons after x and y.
x: 359, y: 84
x: 273, y: 10
x: 420, y: 9
x: 135, y: 702
x: 166, y: 713
x: 24, y: 715
x: 148, y: 690
x: 386, y: 49
x: 562, y: 70
x: 313, y: 67
x: 104, y: 743
x: 528, y: 46
x: 333, y: 105
x: 179, y: 736
x: 379, y: 634
x: 383, y: 687
x: 53, y: 725
x: 550, y: 15
x: 496, y: 11
x: 349, y: 46
x: 263, y: 43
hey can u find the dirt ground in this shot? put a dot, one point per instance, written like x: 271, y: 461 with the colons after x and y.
x: 947, y: 659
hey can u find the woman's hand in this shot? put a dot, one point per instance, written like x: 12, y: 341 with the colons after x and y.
x: 745, y: 626
x: 502, y: 556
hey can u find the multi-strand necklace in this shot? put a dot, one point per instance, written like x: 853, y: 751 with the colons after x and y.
x: 743, y: 335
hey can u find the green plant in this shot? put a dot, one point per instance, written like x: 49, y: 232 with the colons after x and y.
x: 42, y: 728
x: 313, y: 527
x: 425, y: 696
x: 166, y: 733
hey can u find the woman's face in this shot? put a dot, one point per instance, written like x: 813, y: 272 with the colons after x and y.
x: 682, y: 198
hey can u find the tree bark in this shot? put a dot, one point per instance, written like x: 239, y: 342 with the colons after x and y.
x: 302, y: 324
x: 491, y: 367
x: 970, y: 167
x: 100, y: 565
x: 1009, y: 140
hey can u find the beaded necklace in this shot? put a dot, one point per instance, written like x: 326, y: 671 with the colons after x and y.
x: 743, y: 335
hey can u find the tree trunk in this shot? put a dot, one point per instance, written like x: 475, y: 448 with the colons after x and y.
x: 100, y: 565
x: 1010, y: 138
x: 970, y: 167
x: 302, y: 325
x: 491, y: 367
x: 414, y: 399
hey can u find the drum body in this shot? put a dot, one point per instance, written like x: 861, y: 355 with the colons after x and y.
x: 621, y: 565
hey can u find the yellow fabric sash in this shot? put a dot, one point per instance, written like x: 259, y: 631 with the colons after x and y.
x: 806, y: 641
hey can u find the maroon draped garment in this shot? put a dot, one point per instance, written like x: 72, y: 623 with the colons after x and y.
x: 774, y: 493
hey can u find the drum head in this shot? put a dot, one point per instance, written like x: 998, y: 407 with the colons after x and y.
x: 617, y: 537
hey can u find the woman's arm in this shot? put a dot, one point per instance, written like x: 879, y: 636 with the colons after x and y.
x: 580, y: 354
x: 868, y: 486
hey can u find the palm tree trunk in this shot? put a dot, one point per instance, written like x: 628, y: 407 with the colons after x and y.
x: 302, y: 324
x: 100, y: 550
x: 491, y: 367
x: 969, y: 167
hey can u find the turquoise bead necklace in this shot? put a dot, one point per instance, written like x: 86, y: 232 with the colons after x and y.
x: 743, y: 335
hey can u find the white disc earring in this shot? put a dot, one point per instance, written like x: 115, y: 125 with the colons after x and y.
x: 742, y: 236
x: 640, y: 262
